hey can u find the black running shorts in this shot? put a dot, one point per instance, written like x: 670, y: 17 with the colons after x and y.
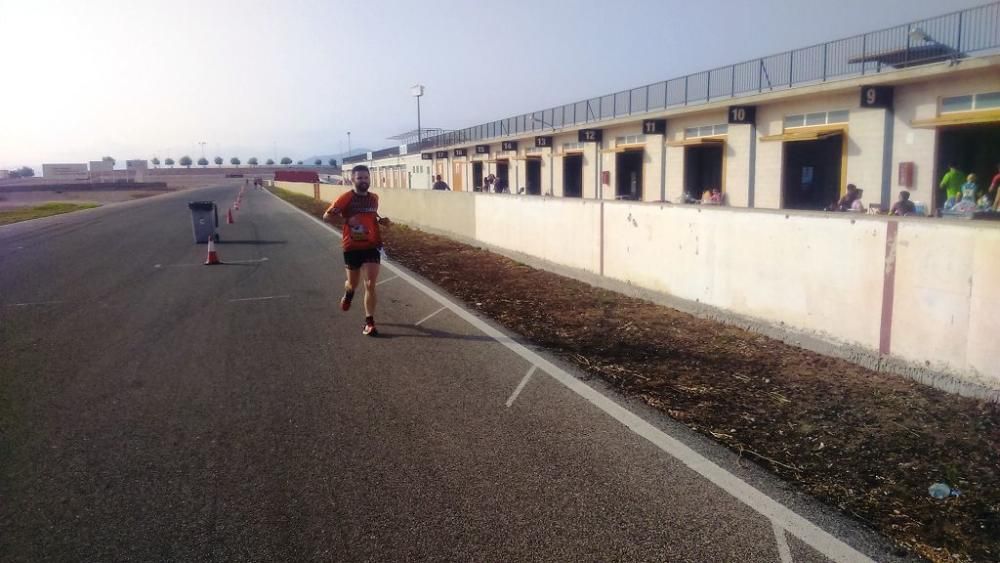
x: 355, y: 258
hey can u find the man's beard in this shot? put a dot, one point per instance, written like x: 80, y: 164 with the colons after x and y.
x: 362, y: 186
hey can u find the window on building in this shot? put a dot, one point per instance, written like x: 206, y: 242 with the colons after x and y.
x: 572, y: 146
x: 817, y: 118
x: 706, y: 131
x: 988, y: 100
x: 630, y: 140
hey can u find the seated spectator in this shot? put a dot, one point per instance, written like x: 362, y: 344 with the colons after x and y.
x: 847, y: 201
x: 712, y: 197
x: 904, y: 206
x: 857, y: 206
x: 968, y: 201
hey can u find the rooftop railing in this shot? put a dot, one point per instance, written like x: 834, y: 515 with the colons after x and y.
x: 947, y: 37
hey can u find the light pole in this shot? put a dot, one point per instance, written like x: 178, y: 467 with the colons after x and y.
x: 417, y: 91
x: 202, y: 143
x: 348, y: 144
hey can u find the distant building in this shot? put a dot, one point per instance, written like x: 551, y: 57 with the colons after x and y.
x: 99, y: 166
x: 137, y: 169
x: 4, y: 174
x: 65, y: 172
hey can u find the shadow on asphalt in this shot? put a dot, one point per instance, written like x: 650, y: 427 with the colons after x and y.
x: 422, y: 332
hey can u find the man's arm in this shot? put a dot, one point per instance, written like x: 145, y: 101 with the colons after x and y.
x: 335, y: 213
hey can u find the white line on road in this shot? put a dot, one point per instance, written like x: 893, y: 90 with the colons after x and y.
x: 380, y: 282
x: 521, y: 385
x: 255, y: 261
x: 260, y: 298
x: 428, y: 317
x: 34, y: 303
x: 779, y: 536
x: 816, y: 537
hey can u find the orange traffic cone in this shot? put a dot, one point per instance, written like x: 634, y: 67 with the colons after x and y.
x: 213, y: 256
x: 237, y: 205
x: 229, y: 216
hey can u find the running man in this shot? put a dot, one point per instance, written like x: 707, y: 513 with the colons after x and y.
x: 362, y: 241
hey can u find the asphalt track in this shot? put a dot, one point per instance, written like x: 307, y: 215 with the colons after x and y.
x: 155, y: 409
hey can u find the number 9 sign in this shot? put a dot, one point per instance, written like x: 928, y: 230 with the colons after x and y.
x: 876, y: 97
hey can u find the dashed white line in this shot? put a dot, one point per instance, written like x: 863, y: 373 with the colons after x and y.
x: 33, y: 303
x: 255, y: 261
x: 380, y: 282
x: 782, y: 541
x: 521, y: 385
x: 428, y: 317
x: 814, y: 536
x: 260, y: 298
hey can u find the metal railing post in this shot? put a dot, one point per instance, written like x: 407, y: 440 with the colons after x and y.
x: 708, y: 87
x: 791, y: 66
x: 864, y: 52
x: 686, y: 89
x: 760, y: 76
x: 732, y: 81
x: 647, y: 97
x: 825, y: 45
x: 958, y: 41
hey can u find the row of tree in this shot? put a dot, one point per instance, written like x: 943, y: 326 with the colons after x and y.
x: 187, y: 162
x: 22, y: 172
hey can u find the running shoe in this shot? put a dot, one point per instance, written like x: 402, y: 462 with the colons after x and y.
x: 345, y: 301
x: 370, y: 330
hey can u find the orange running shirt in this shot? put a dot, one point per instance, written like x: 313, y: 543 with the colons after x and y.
x: 360, y: 213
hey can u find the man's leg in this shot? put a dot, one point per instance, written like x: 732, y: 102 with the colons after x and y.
x: 353, y: 277
x: 371, y: 278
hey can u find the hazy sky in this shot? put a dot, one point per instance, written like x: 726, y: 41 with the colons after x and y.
x: 80, y: 79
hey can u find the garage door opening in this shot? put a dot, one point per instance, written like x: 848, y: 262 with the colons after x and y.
x: 811, y: 172
x: 573, y: 175
x: 628, y: 167
x: 702, y: 169
x: 972, y: 149
x: 533, y: 176
x: 503, y: 176
x: 457, y: 176
x: 477, y: 176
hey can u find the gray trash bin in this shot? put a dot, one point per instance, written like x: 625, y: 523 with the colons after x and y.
x: 204, y: 220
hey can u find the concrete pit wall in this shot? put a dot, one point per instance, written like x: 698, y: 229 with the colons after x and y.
x: 911, y: 295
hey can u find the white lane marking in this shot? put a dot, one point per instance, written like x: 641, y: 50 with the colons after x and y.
x: 260, y: 298
x: 380, y: 282
x: 811, y: 534
x: 254, y: 261
x: 428, y: 317
x: 520, y: 386
x: 33, y: 303
x: 779, y: 537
